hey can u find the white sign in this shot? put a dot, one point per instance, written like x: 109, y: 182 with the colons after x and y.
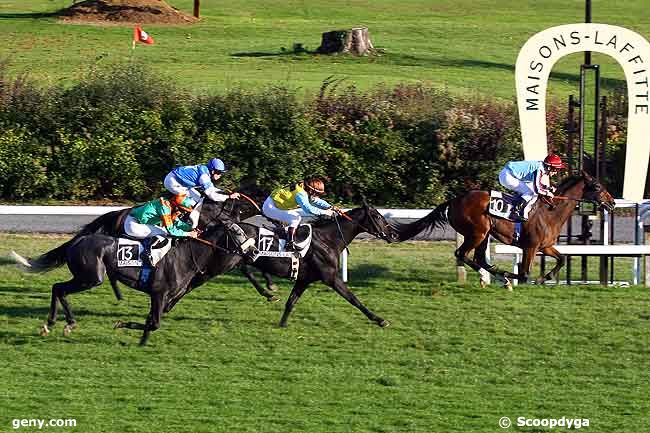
x: 631, y: 50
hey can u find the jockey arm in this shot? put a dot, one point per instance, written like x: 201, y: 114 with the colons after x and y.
x: 212, y: 192
x: 174, y: 227
x: 316, y: 206
x: 543, y: 184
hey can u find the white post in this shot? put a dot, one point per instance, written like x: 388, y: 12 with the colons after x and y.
x: 461, y: 273
x: 344, y: 265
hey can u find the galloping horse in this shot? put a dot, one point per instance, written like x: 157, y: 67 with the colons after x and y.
x: 468, y: 215
x: 321, y: 263
x: 91, y: 256
x: 111, y: 224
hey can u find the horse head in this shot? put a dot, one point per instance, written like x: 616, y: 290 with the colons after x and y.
x: 595, y: 192
x: 230, y: 210
x: 375, y: 224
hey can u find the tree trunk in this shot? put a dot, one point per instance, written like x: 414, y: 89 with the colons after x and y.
x: 354, y: 41
x: 197, y: 6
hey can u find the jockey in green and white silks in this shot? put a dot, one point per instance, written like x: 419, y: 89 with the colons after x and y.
x: 283, y: 205
x: 159, y: 217
x: 529, y: 179
x: 185, y: 179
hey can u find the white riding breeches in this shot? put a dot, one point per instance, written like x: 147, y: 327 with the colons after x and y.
x: 140, y: 231
x: 291, y: 217
x: 174, y: 186
x: 524, y: 189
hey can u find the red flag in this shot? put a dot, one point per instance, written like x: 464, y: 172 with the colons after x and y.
x: 140, y: 35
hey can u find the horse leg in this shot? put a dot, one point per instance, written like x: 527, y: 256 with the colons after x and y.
x: 248, y: 273
x: 51, y: 317
x: 59, y: 292
x: 480, y: 257
x: 116, y: 289
x: 526, y: 262
x: 155, y: 315
x: 342, y: 289
x: 270, y: 285
x: 559, y: 262
x: 297, y: 291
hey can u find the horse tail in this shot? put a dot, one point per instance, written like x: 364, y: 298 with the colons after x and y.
x: 437, y: 218
x: 45, y: 262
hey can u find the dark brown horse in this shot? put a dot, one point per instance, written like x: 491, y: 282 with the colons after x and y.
x: 468, y: 215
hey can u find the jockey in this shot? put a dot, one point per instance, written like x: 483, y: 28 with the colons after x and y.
x: 185, y: 179
x: 530, y: 178
x: 283, y: 205
x: 158, y: 217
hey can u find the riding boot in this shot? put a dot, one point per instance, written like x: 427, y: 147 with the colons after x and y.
x: 520, y: 209
x: 290, y: 245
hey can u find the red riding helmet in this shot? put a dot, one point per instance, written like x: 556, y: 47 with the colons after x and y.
x: 554, y: 161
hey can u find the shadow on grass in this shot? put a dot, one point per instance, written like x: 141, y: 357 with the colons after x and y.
x: 31, y: 15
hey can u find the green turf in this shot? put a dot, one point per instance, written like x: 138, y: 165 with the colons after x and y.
x: 456, y: 357
x: 468, y: 46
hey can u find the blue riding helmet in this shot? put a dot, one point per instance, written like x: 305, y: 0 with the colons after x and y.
x: 216, y: 164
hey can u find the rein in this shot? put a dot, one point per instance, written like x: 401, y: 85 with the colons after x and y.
x: 380, y: 233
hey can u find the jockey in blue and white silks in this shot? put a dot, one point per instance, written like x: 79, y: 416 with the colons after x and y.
x: 185, y: 180
x: 529, y: 179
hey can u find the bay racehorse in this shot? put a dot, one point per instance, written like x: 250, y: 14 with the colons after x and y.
x: 90, y: 256
x: 468, y: 215
x: 321, y: 262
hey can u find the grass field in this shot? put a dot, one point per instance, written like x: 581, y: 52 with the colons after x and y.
x: 468, y: 46
x: 456, y: 358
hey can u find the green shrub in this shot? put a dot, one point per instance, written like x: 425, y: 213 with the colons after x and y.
x: 22, y: 166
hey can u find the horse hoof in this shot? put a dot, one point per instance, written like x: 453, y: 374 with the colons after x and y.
x: 384, y: 323
x: 282, y: 324
x: 273, y: 288
x: 508, y: 285
x: 67, y: 329
x: 119, y: 324
x: 273, y: 299
x: 483, y: 284
x: 45, y: 331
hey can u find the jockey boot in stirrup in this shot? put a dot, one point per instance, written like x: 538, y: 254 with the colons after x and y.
x: 520, y: 209
x: 290, y: 245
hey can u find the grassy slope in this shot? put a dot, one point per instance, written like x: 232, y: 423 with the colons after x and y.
x: 456, y: 357
x: 467, y: 45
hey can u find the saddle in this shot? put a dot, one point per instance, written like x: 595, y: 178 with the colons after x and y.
x: 273, y: 239
x: 504, y: 205
x: 130, y: 252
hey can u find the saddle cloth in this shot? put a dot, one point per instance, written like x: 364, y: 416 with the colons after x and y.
x: 130, y: 251
x: 271, y: 245
x: 502, y: 205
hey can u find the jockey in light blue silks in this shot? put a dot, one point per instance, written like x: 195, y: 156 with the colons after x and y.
x: 283, y: 205
x: 530, y: 178
x: 185, y: 180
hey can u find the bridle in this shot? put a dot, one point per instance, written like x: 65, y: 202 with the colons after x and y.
x: 378, y: 231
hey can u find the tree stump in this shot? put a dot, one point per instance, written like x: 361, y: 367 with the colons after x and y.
x: 353, y: 41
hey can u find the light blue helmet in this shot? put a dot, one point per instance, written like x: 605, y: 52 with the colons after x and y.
x: 216, y: 164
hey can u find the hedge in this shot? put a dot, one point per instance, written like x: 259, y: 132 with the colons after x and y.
x: 115, y: 134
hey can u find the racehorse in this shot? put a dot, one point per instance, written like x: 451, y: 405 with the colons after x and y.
x: 111, y: 224
x: 90, y: 256
x: 468, y: 215
x: 321, y: 262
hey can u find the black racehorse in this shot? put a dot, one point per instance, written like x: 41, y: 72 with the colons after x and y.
x: 111, y: 224
x: 90, y: 256
x: 321, y: 263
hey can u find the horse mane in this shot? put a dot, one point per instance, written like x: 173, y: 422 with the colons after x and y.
x: 568, y: 183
